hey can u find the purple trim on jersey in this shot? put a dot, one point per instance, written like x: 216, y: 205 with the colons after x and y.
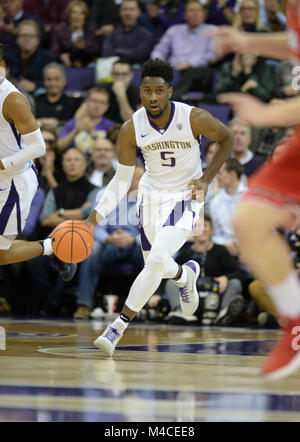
x: 36, y: 172
x: 13, y: 198
x: 177, y: 212
x: 191, y: 265
x: 146, y: 246
x: 168, y: 123
x: 16, y: 134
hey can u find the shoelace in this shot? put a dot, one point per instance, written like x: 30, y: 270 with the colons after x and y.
x: 112, y: 334
x: 184, y: 294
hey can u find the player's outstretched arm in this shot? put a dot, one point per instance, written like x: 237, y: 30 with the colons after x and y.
x: 260, y: 114
x: 120, y: 184
x: 203, y: 123
x: 228, y: 39
x: 17, y: 112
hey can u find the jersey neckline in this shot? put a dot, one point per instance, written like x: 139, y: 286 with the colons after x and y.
x: 163, y: 130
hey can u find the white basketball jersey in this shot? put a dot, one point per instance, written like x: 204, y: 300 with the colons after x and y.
x: 10, y: 139
x: 172, y: 155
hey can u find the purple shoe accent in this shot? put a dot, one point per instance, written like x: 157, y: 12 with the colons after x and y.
x: 112, y: 334
x: 191, y: 265
x: 184, y: 295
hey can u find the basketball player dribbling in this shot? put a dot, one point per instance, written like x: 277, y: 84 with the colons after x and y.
x: 20, y: 142
x: 273, y: 198
x: 168, y: 134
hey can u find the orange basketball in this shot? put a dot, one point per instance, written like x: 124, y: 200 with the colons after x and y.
x: 72, y: 241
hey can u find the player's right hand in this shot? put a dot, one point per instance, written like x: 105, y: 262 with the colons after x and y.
x: 228, y: 40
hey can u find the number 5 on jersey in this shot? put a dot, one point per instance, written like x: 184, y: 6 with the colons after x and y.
x: 171, y: 160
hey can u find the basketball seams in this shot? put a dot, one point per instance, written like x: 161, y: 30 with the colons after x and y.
x: 72, y: 248
x: 72, y: 236
x: 77, y: 227
x: 60, y: 239
x: 83, y: 240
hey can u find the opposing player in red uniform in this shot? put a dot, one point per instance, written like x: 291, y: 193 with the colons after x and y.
x: 273, y: 198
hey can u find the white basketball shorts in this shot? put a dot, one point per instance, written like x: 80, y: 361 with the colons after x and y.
x: 161, y: 208
x: 16, y: 194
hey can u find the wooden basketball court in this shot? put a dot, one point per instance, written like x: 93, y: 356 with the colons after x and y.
x: 50, y: 371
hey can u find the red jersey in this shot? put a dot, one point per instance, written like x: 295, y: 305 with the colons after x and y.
x: 293, y: 26
x: 277, y: 182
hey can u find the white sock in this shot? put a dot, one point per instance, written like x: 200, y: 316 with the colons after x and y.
x: 47, y: 247
x: 286, y: 296
x: 183, y: 277
x: 120, y: 325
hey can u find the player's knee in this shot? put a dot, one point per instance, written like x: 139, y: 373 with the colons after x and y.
x: 4, y: 257
x: 156, y: 261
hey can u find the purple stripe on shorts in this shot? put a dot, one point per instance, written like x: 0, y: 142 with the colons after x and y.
x: 177, y: 212
x: 140, y: 214
x: 13, y: 198
x: 146, y: 246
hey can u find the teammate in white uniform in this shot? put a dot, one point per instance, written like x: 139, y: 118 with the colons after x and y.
x: 20, y: 142
x: 168, y: 134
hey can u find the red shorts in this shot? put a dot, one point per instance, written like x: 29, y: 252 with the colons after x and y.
x: 277, y: 183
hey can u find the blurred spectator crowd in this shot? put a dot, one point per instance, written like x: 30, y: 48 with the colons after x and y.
x: 78, y: 63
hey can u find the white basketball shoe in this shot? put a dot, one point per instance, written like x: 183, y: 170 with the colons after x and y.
x: 108, y: 340
x: 189, y: 297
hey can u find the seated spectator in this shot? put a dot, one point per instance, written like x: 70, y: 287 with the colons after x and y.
x: 49, y: 165
x: 124, y: 97
x: 27, y: 62
x: 224, y: 203
x: 129, y: 40
x: 31, y: 231
x: 264, y: 140
x: 240, y: 150
x: 117, y: 241
x: 219, y: 12
x: 284, y: 80
x: 13, y: 14
x: 249, y: 74
x: 88, y: 122
x: 159, y: 15
x: 249, y: 18
x: 104, y: 17
x: 288, y: 133
x: 102, y: 155
x: 275, y: 18
x: 54, y: 108
x: 113, y: 136
x: 74, y: 43
x: 189, y: 50
x: 50, y: 12
x: 71, y: 199
x: 219, y: 283
x: 261, y: 5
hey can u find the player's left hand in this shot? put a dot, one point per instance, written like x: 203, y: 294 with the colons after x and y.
x: 199, y: 189
x: 246, y: 107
